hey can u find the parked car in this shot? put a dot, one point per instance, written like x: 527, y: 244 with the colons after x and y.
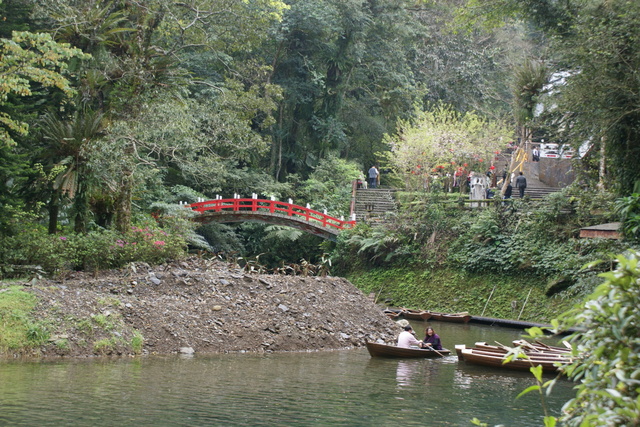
x: 549, y: 151
x: 556, y: 151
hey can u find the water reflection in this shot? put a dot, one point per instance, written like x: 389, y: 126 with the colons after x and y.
x: 473, y: 377
x: 343, y: 388
x: 405, y: 372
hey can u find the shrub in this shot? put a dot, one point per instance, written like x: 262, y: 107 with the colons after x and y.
x: 101, y: 249
x: 629, y: 210
x: 608, y: 376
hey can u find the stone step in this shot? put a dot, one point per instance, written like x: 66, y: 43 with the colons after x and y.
x: 538, y: 192
x: 374, y: 205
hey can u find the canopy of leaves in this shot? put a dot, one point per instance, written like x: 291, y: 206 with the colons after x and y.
x: 29, y: 58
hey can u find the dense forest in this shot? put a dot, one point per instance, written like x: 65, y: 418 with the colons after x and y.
x: 112, y: 112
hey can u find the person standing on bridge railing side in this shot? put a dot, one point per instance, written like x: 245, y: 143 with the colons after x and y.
x: 373, y: 177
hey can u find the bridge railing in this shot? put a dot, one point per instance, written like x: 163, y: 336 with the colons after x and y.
x: 272, y: 207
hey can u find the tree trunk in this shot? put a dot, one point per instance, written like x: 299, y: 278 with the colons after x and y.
x: 276, y: 147
x: 123, y: 203
x: 602, y: 166
x: 81, y: 210
x: 54, y: 211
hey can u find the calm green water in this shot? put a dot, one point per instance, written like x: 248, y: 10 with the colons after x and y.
x: 328, y: 388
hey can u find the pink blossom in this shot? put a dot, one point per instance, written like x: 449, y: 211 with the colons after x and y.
x: 159, y: 243
x: 63, y: 238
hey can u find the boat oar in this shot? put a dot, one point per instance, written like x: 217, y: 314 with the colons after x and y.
x: 437, y: 352
x: 440, y: 354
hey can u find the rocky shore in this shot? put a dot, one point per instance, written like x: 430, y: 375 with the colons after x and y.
x: 203, y: 306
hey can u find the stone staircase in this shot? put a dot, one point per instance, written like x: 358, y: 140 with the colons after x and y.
x: 374, y: 205
x: 536, y: 189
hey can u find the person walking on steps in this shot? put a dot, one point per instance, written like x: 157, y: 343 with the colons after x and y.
x: 521, y: 184
x: 373, y: 177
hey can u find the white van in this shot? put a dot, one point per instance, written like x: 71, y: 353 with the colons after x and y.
x: 556, y: 151
x: 549, y: 151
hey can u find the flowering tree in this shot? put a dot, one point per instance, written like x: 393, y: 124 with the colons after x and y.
x: 443, y: 140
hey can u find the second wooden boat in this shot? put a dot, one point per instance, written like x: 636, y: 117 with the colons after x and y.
x: 415, y: 314
x: 450, y: 317
x: 497, y: 360
x: 383, y: 350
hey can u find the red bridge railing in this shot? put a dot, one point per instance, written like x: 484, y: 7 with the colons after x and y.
x: 272, y: 207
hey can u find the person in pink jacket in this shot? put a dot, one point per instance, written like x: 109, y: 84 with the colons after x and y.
x: 406, y: 338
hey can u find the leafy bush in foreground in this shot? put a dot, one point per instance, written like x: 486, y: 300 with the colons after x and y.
x: 608, y: 391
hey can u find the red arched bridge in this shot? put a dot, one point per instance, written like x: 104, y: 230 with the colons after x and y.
x: 272, y: 212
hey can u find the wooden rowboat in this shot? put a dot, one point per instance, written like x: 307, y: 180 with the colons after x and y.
x: 549, y: 363
x: 415, y: 314
x: 407, y: 314
x: 530, y: 351
x: 392, y: 314
x: 452, y: 317
x: 383, y: 350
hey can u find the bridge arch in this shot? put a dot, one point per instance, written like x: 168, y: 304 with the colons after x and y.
x: 271, y: 212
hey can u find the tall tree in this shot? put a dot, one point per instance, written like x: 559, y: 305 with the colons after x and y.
x: 25, y: 59
x: 139, y: 49
x: 440, y: 140
x: 68, y: 150
x: 345, y: 70
x: 596, y: 50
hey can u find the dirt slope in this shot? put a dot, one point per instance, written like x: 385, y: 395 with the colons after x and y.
x: 204, y: 306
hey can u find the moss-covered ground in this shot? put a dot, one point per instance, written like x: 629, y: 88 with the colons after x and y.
x: 490, y: 295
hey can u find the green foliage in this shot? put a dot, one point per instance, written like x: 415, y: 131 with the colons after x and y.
x: 608, y: 337
x: 537, y: 240
x: 102, y: 249
x: 329, y: 186
x: 530, y: 78
x: 629, y: 210
x: 31, y: 58
x: 18, y: 328
x: 104, y: 345
x: 276, y: 244
x: 440, y: 139
x: 137, y: 341
x: 378, y: 245
x: 449, y: 290
x: 221, y: 238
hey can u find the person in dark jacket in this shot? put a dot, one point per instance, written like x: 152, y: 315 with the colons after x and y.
x: 521, y: 184
x: 508, y: 191
x: 431, y: 340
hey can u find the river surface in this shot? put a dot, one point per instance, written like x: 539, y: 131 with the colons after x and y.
x: 346, y: 387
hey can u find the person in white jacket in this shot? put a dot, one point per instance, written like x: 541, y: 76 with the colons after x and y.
x: 406, y: 338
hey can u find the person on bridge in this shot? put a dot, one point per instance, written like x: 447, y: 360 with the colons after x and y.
x: 406, y: 338
x: 373, y: 177
x: 521, y: 184
x: 431, y: 340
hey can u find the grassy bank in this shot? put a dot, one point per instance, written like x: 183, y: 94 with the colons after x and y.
x: 19, y: 329
x: 490, y: 295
